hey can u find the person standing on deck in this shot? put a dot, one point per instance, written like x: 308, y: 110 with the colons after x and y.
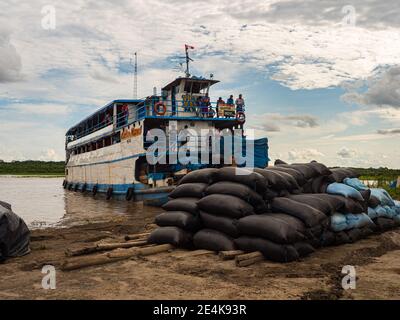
x: 240, y: 104
x: 230, y: 100
x: 220, y: 101
x: 205, y: 105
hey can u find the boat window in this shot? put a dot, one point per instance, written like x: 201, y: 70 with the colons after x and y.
x: 116, y: 138
x: 192, y: 87
x: 107, y: 141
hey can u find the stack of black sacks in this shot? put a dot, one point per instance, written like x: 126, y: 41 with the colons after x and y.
x: 282, y: 211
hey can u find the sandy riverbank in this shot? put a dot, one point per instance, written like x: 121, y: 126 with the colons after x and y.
x: 164, y: 276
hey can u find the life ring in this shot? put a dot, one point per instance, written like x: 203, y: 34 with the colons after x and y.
x: 160, y: 109
x: 109, y: 193
x: 129, y: 194
x: 241, y: 117
x: 94, y: 190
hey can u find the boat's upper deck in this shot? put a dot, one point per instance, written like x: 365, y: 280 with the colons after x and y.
x: 182, y: 99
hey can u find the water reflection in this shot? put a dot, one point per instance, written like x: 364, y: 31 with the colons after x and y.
x: 42, y: 202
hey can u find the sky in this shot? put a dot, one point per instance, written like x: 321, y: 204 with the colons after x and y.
x: 321, y: 78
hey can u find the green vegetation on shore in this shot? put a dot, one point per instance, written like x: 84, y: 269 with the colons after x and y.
x: 379, y: 174
x: 32, y: 168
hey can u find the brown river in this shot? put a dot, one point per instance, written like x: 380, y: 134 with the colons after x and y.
x: 42, y: 202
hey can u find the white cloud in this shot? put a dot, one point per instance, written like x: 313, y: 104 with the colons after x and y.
x: 10, y: 61
x: 383, y: 90
x: 346, y: 153
x: 306, y: 155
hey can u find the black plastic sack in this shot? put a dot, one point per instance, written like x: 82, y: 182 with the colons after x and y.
x: 270, y: 226
x: 181, y: 219
x: 200, y: 176
x: 14, y: 234
x: 320, y: 168
x: 294, y: 173
x: 172, y: 235
x: 354, y: 235
x: 351, y: 206
x: 335, y: 202
x: 219, y: 223
x: 384, y: 224
x: 373, y: 202
x: 315, y: 202
x: 327, y: 238
x: 225, y: 205
x: 182, y: 204
x: 213, y: 240
x: 366, y: 194
x: 245, y: 176
x: 306, y: 169
x: 189, y: 190
x: 270, y: 250
x: 278, y: 180
x: 270, y: 194
x: 339, y: 174
x: 309, y: 215
x: 304, y: 248
x: 341, y: 238
x: 238, y: 190
x: 279, y: 161
x: 320, y: 184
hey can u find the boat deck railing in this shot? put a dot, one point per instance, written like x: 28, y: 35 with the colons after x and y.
x: 163, y: 109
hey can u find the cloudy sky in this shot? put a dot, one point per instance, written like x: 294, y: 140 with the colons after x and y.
x: 321, y: 79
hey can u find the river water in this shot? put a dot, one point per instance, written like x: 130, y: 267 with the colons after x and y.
x: 43, y: 202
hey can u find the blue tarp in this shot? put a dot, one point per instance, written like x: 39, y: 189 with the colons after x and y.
x: 260, y: 154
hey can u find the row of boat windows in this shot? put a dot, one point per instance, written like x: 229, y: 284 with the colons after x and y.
x: 99, y: 144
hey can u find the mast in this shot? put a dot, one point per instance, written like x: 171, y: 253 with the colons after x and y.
x: 188, y: 59
x: 135, y: 78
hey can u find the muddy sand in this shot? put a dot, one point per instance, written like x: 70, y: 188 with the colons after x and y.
x: 169, y: 276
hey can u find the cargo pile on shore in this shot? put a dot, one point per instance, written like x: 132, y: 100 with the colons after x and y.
x: 285, y: 212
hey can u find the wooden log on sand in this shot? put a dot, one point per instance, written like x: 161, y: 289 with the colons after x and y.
x: 103, y: 247
x: 109, y: 257
x: 229, y: 255
x: 137, y: 236
x: 195, y: 253
x: 248, y: 259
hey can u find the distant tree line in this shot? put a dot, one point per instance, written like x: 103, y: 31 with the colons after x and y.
x: 379, y: 173
x: 32, y: 167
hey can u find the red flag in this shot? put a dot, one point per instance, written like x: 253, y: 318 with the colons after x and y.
x: 188, y: 47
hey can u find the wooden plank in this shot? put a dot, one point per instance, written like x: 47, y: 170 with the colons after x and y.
x: 248, y: 262
x: 248, y: 256
x: 195, y: 253
x: 229, y: 255
x: 137, y: 236
x: 103, y: 247
x: 113, y: 256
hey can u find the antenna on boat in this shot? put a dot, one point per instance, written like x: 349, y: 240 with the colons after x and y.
x: 135, y: 79
x: 188, y: 59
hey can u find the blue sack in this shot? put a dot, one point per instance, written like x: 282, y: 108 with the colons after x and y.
x: 344, y: 190
x: 358, y: 220
x: 390, y: 211
x: 355, y: 183
x: 381, y: 212
x: 383, y: 196
x: 372, y: 213
x: 338, y: 222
